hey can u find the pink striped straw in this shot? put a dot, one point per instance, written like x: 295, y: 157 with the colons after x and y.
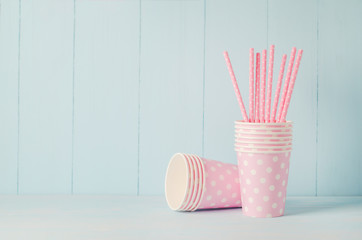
x: 291, y: 86
x: 236, y: 88
x: 257, y: 87
x: 270, y: 83
x: 262, y: 85
x: 279, y: 86
x: 286, y: 83
x: 251, y: 84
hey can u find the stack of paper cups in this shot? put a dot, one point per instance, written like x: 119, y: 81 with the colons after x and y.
x: 263, y: 152
x: 195, y: 183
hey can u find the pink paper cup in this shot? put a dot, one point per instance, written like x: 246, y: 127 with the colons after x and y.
x: 264, y: 179
x: 263, y: 167
x: 215, y: 184
x: 222, y: 186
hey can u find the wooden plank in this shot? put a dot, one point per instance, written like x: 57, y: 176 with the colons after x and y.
x: 288, y: 28
x: 234, y: 26
x: 171, y: 102
x: 106, y: 97
x: 340, y: 87
x: 9, y: 50
x: 46, y: 68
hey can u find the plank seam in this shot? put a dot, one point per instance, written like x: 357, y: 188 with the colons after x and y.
x: 73, y: 83
x: 18, y: 140
x: 317, y: 73
x: 203, y: 85
x: 139, y: 101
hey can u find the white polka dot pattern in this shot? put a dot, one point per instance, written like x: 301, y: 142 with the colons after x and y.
x: 222, y: 184
x: 265, y: 184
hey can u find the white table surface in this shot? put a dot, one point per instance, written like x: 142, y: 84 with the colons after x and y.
x: 125, y: 217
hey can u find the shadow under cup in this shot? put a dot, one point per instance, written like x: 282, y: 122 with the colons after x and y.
x: 263, y: 167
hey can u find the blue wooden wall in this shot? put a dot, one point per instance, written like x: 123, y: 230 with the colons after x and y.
x: 97, y: 95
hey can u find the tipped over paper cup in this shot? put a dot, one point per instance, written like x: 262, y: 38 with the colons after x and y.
x: 193, y: 183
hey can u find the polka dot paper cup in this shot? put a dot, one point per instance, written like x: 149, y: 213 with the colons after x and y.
x: 264, y: 179
x: 222, y: 185
x: 264, y: 169
x: 195, y: 183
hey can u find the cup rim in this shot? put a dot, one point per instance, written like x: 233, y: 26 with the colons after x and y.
x: 269, y: 142
x: 258, y: 137
x: 263, y: 147
x: 193, y: 174
x: 192, y: 203
x: 242, y: 122
x: 261, y: 128
x: 264, y: 152
x: 260, y: 147
x: 201, y: 187
x: 264, y: 133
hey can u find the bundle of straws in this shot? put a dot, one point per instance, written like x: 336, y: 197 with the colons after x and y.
x: 259, y: 110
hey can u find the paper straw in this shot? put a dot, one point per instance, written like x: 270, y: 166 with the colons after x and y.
x: 262, y: 85
x: 257, y: 87
x: 236, y: 88
x: 270, y: 83
x: 251, y: 84
x: 279, y: 86
x: 291, y: 86
x: 286, y: 83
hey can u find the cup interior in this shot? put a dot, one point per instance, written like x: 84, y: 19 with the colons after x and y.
x: 177, y: 181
